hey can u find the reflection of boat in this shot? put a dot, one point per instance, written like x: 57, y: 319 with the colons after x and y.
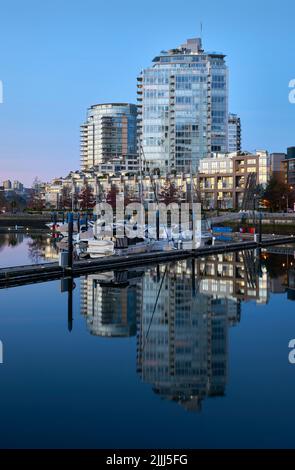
x: 163, y: 245
x: 100, y: 248
x: 200, y: 241
x: 143, y: 246
x: 105, y: 277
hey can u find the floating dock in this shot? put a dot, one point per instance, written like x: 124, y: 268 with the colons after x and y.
x: 29, y: 274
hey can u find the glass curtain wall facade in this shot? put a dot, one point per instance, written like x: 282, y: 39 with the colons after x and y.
x: 234, y: 133
x: 109, y: 135
x: 183, y: 102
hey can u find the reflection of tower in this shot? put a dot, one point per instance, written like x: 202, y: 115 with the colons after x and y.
x: 233, y: 274
x: 110, y: 309
x: 291, y: 285
x: 182, y: 338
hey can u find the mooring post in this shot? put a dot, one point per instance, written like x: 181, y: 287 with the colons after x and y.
x: 70, y: 241
x: 194, y: 277
x: 260, y: 227
x: 78, y: 222
x: 158, y: 225
x: 70, y: 304
x: 158, y: 273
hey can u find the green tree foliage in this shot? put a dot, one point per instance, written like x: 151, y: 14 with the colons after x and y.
x: 3, y: 202
x: 86, y: 198
x: 277, y: 194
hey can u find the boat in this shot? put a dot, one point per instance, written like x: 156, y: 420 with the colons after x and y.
x: 100, y: 248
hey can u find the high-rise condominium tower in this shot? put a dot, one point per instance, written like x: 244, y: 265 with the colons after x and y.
x: 234, y: 133
x: 183, y: 109
x: 109, y: 138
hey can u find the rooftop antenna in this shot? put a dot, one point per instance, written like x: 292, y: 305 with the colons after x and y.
x: 201, y: 34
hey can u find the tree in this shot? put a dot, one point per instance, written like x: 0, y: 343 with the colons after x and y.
x: 275, y: 193
x: 16, y: 202
x: 36, y: 248
x: 3, y: 202
x: 169, y: 193
x: 36, y: 202
x: 65, y: 201
x: 112, y: 196
x: 86, y: 198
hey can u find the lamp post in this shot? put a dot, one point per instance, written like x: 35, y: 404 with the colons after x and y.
x: 73, y: 193
x: 286, y: 196
x: 292, y: 195
x: 254, y: 213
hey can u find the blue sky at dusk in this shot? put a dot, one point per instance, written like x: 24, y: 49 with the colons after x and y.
x: 59, y: 57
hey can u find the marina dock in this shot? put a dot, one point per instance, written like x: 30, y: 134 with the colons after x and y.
x: 29, y: 274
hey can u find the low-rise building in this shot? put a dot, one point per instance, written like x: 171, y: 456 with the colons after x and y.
x: 18, y: 186
x: 288, y: 169
x: 7, y: 185
x: 132, y: 185
x: 276, y: 168
x: 220, y: 183
x: 222, y: 178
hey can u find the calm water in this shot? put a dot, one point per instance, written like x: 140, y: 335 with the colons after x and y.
x: 19, y: 249
x: 151, y: 358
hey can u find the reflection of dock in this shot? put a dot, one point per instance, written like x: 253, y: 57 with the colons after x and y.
x: 20, y: 275
x: 282, y: 250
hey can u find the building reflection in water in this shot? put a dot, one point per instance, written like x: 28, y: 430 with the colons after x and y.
x: 239, y: 275
x: 182, y: 342
x: 181, y: 313
x: 110, y: 303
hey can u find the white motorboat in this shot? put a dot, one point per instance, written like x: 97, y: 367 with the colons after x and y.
x: 100, y: 248
x: 85, y: 235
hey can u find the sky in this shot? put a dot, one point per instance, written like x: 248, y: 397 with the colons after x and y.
x: 57, y: 58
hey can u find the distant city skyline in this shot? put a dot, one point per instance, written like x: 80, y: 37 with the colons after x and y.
x: 56, y: 65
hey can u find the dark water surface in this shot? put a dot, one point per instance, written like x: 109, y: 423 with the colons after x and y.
x: 151, y: 358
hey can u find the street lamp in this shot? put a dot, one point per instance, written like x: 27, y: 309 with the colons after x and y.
x: 286, y: 196
x: 292, y: 195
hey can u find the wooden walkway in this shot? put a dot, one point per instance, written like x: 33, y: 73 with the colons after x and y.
x: 21, y: 275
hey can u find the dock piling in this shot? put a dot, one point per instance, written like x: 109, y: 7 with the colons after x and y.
x: 70, y: 241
